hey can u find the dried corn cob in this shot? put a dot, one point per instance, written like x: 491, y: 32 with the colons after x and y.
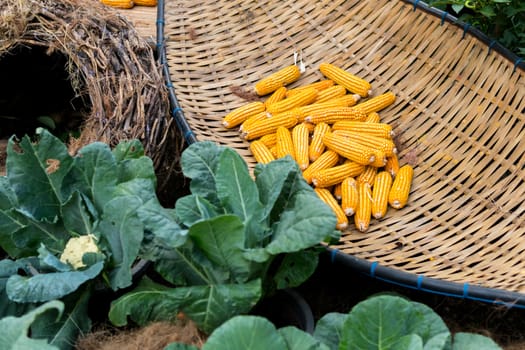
x: 326, y: 160
x: 331, y: 176
x: 270, y: 125
x: 347, y: 100
x: 387, y: 146
x: 240, y: 114
x: 336, y: 114
x: 122, y: 4
x: 254, y: 118
x: 350, y: 81
x: 272, y: 82
x: 318, y: 85
x: 276, y: 96
x: 373, y: 118
x: 350, y: 149
x: 321, y: 107
x: 302, y: 98
x: 349, y: 196
x: 392, y: 165
x: 363, y: 212
x: 380, y: 193
x: 368, y: 175
x: 317, y: 147
x: 398, y: 196
x: 146, y: 2
x: 284, y: 143
x: 328, y: 198
x: 374, y: 129
x: 269, y: 140
x: 332, y: 92
x: 377, y: 103
x: 261, y: 152
x: 336, y: 191
x: 300, y: 138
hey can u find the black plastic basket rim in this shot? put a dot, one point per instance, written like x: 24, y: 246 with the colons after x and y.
x: 373, y: 269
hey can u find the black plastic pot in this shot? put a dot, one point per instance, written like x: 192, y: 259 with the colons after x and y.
x: 287, y: 307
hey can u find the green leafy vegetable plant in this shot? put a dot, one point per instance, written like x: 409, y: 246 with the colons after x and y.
x: 501, y: 20
x: 72, y: 225
x: 382, y: 322
x: 247, y: 236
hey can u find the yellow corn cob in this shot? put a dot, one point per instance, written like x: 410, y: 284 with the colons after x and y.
x: 331, y: 176
x: 321, y: 106
x: 261, y: 152
x: 309, y: 126
x: 368, y: 175
x: 363, y: 212
x: 330, y: 93
x: 398, y: 196
x: 374, y: 129
x: 276, y: 96
x: 146, y: 2
x: 240, y: 114
x: 254, y: 118
x: 317, y: 147
x: 269, y: 125
x: 373, y: 118
x: 122, y: 4
x: 336, y: 114
x: 347, y: 100
x: 273, y: 149
x: 272, y: 82
x: 349, y: 149
x: 269, y: 140
x: 302, y: 98
x: 326, y: 160
x: 284, y: 143
x: 380, y: 158
x: 350, y: 81
x: 328, y: 198
x: 387, y: 146
x: 380, y: 193
x: 336, y: 191
x: 392, y: 165
x: 318, y: 85
x: 377, y: 103
x: 300, y: 138
x: 349, y: 196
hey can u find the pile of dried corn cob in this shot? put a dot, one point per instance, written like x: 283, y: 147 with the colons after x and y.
x: 333, y: 131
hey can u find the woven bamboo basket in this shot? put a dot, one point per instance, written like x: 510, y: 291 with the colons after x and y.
x: 458, y: 114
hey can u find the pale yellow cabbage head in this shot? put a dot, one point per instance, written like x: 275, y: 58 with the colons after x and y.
x: 76, y: 247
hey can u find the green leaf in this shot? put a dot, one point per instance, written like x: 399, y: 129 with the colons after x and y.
x: 193, y: 208
x: 408, y: 342
x: 245, y: 332
x: 381, y: 321
x: 199, y: 163
x: 305, y: 222
x: 296, y: 268
x: 15, y: 329
x: 123, y: 231
x: 7, y: 269
x: 49, y: 260
x: 235, y: 187
x: 36, y: 288
x: 128, y: 149
x: 329, y: 329
x: 457, y: 7
x: 76, y: 214
x: 149, y: 301
x: 472, y: 341
x: 74, y: 321
x: 94, y: 174
x: 160, y: 222
x: 140, y: 168
x: 36, y: 172
x: 208, y: 305
x: 297, y: 339
x: 221, y: 240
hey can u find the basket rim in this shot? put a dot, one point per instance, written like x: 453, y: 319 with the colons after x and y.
x: 374, y: 269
